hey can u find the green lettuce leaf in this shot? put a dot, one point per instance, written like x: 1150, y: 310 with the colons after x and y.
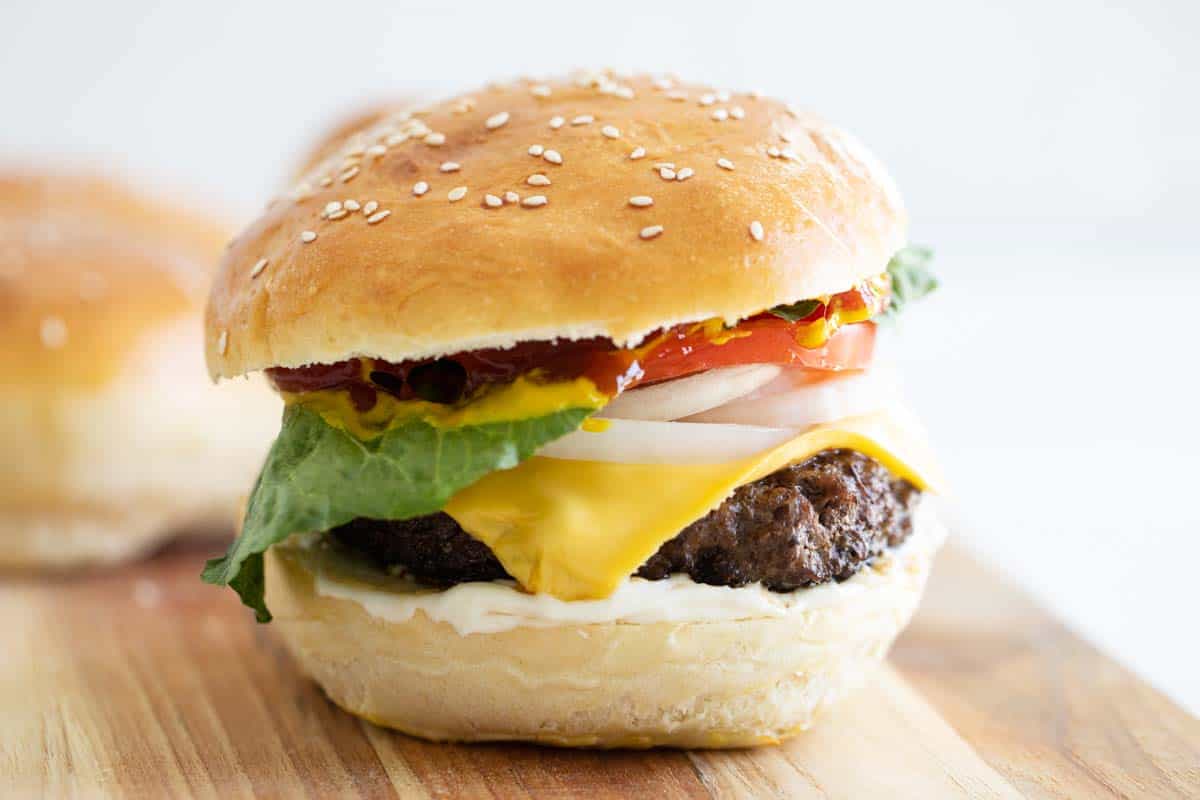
x: 794, y: 312
x: 911, y: 279
x: 317, y: 477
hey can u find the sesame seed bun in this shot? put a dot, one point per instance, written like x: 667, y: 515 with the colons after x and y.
x: 86, y: 265
x: 708, y: 683
x: 438, y: 258
x: 122, y: 438
x: 341, y: 135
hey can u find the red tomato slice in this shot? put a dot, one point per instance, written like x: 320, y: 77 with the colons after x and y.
x: 762, y: 340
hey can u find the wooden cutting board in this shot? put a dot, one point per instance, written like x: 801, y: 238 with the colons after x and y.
x: 144, y: 682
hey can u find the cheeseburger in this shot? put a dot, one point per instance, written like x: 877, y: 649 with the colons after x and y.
x: 584, y: 441
x: 114, y: 439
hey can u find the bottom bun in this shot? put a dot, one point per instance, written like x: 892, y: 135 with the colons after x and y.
x: 68, y: 538
x: 718, y: 683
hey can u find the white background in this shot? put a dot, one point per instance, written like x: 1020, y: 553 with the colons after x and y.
x: 1050, y: 151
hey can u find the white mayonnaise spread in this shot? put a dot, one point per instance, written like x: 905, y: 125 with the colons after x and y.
x: 498, y: 606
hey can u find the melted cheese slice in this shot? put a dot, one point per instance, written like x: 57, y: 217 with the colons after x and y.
x: 577, y: 529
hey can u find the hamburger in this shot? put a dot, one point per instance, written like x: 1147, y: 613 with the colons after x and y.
x: 584, y: 441
x: 341, y: 134
x: 116, y: 439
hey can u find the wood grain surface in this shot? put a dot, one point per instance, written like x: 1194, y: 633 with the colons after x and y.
x: 143, y: 682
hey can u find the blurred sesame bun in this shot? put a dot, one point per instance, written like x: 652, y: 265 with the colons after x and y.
x: 120, y: 436
x: 594, y: 206
x: 342, y: 136
x: 677, y: 683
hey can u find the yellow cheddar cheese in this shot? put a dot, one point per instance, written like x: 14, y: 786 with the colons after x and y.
x: 577, y: 529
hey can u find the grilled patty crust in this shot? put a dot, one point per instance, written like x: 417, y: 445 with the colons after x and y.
x: 810, y: 523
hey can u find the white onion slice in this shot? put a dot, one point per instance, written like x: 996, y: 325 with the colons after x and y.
x: 627, y: 441
x: 690, y: 395
x: 793, y: 401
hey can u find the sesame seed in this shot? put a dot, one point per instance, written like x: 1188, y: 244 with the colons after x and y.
x: 259, y: 266
x: 537, y: 179
x: 641, y: 201
x: 341, y: 212
x: 434, y: 139
x: 677, y: 95
x: 783, y: 135
x: 611, y: 131
x: 541, y: 90
x: 53, y: 332
x: 223, y: 342
x: 491, y: 201
x: 638, y: 152
x: 456, y: 194
x: 420, y: 188
x: 790, y: 155
x: 667, y: 174
x: 349, y: 174
x: 536, y: 150
x: 395, y: 139
x: 534, y: 201
x: 497, y: 121
x: 791, y: 110
x: 737, y: 112
x: 332, y: 208
x: 556, y: 122
x: 773, y: 152
x: 707, y: 99
x: 624, y: 92
x: 450, y: 166
x: 756, y: 230
x: 351, y: 205
x: 326, y: 181
x: 379, y: 216
x: 724, y: 163
x: 371, y: 206
x: 553, y: 156
x: 308, y: 237
x: 583, y: 119
x: 650, y: 231
x: 720, y: 115
x: 512, y: 197
x: 684, y: 174
x: 663, y: 84
x: 376, y: 150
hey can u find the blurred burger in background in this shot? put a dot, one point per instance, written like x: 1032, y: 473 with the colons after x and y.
x: 341, y: 136
x: 114, y: 438
x: 585, y: 440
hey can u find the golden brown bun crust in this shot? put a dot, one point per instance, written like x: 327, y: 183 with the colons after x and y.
x: 715, y: 683
x: 86, y: 267
x: 438, y: 276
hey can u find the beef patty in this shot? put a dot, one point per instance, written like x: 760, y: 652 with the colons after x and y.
x: 810, y: 523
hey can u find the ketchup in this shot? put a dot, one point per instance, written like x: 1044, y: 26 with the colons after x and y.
x: 671, y: 353
x: 449, y: 379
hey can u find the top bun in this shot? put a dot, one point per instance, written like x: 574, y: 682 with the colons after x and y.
x: 69, y: 246
x: 406, y: 274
